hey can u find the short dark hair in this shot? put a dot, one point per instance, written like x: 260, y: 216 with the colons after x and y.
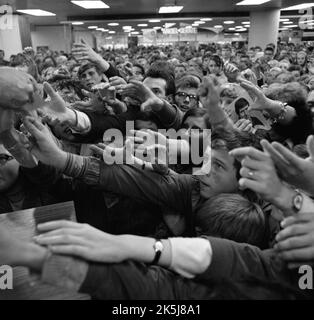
x: 240, y: 104
x: 233, y: 217
x: 160, y: 70
x: 270, y: 49
x: 219, y: 62
x: 86, y: 67
x: 137, y: 65
x: 231, y: 139
x: 197, y: 112
x: 188, y: 81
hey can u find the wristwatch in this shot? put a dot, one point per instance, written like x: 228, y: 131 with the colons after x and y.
x: 158, y: 247
x: 297, y: 201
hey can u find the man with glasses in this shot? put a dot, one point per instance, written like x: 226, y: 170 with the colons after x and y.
x: 186, y: 93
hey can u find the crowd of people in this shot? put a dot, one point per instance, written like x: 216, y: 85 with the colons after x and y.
x: 118, y: 132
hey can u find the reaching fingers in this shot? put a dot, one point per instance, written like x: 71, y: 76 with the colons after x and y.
x: 33, y: 126
x: 294, y: 243
x: 49, y: 90
x: 52, y: 225
x: 250, y: 152
x: 286, y: 154
x: 296, y: 229
x: 302, y: 254
x: 310, y: 146
x: 96, y: 150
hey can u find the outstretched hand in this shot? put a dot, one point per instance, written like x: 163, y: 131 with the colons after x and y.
x: 293, y: 169
x: 137, y: 90
x: 56, y: 107
x: 44, y: 147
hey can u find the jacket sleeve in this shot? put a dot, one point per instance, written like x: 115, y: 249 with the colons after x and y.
x: 237, y: 261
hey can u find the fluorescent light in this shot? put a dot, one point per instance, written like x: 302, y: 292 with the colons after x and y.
x: 170, y: 9
x: 299, y: 6
x: 157, y: 28
x: 237, y: 34
x: 99, y: 29
x: 242, y: 29
x: 37, y: 12
x: 287, y: 22
x: 111, y: 32
x: 169, y: 25
x: 78, y: 23
x: 113, y: 24
x: 218, y: 26
x: 284, y: 19
x: 135, y: 32
x: 206, y: 19
x: 95, y: 4
x: 154, y: 20
x: 239, y: 27
x: 246, y: 22
x: 92, y: 27
x: 232, y: 29
x: 142, y: 25
x: 199, y: 22
x: 251, y: 2
x: 127, y: 27
x: 291, y: 26
x: 229, y: 22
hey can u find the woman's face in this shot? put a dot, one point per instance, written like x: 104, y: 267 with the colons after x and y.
x: 301, y: 59
x: 9, y: 169
x: 213, y: 68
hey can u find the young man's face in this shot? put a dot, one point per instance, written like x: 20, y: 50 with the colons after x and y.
x: 186, y: 98
x: 157, y: 85
x: 179, y: 72
x: 9, y: 170
x: 268, y: 55
x: 222, y: 177
x: 138, y: 75
x: 91, y: 77
x: 226, y: 53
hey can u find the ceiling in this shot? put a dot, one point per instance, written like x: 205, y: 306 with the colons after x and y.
x: 134, y: 12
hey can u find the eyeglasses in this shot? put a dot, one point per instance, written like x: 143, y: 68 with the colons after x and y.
x: 4, y: 158
x: 192, y: 97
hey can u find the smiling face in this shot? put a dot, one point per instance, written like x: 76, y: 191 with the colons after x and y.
x: 222, y: 177
x: 9, y: 169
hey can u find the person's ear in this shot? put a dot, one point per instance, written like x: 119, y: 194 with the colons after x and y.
x: 170, y: 98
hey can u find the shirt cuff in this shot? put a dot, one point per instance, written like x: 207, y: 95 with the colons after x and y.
x: 190, y: 258
x: 83, y: 124
x: 85, y: 168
